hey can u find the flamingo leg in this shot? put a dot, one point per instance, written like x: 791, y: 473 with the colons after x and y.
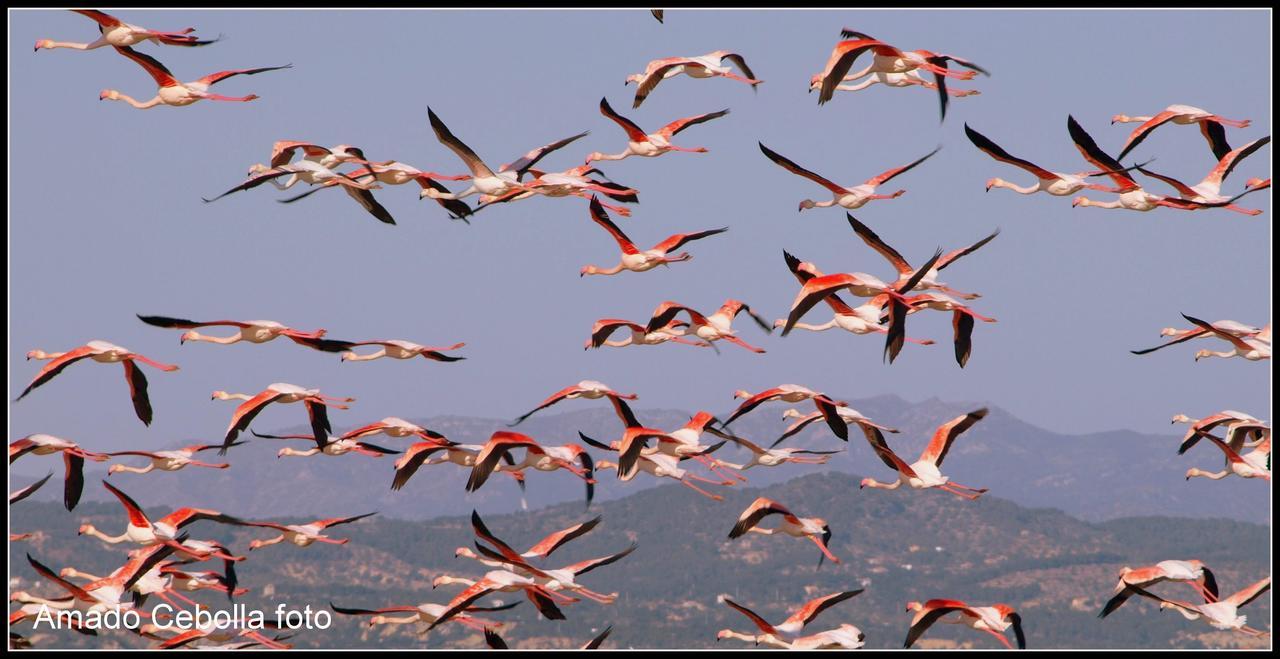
x: 701, y: 491
x: 826, y: 552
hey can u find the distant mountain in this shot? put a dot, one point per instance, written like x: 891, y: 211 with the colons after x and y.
x: 899, y: 546
x: 1093, y: 477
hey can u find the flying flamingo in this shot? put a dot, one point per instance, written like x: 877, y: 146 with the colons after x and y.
x: 573, y: 182
x: 908, y: 79
x: 640, y: 335
x: 1209, y: 190
x: 328, y: 446
x: 389, y: 172
x: 702, y: 66
x: 110, y: 594
x: 178, y: 94
x: 649, y: 145
x: 555, y: 580
x: 924, y: 473
x: 868, y: 318
x: 905, y: 271
x: 73, y: 458
x: 253, y: 331
x: 394, y: 426
x: 994, y: 619
x: 816, y: 289
x: 586, y: 389
x: 463, y: 455
x: 846, y: 414
x: 171, y: 460
x: 1222, y: 614
x: 889, y: 60
x: 303, y: 535
x: 1254, y: 348
x: 1211, y: 126
x: 115, y: 32
x: 1193, y: 573
x: 317, y: 405
x: 660, y: 465
x: 498, y: 581
x: 398, y: 349
x: 105, y: 353
x: 484, y: 181
x: 544, y: 547
x: 1240, y: 428
x: 715, y: 327
x: 537, y: 456
x: 791, y: 393
x: 799, y: 618
x: 1255, y: 464
x: 1132, y: 196
x: 635, y: 260
x: 772, y: 457
x: 1057, y: 184
x: 316, y: 174
x: 846, y: 197
x: 813, y: 528
x: 141, y: 530
x: 1230, y: 326
x: 426, y: 613
x: 844, y: 637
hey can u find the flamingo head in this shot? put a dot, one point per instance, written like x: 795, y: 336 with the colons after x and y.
x: 257, y: 168
x: 914, y: 606
x: 189, y: 335
x: 85, y: 528
x: 723, y: 634
x: 109, y: 95
x: 815, y: 82
x: 991, y: 183
x: 588, y: 270
x: 1121, y: 119
x: 742, y: 393
x: 1203, y: 353
x: 464, y: 551
x: 254, y: 544
x: 1181, y: 418
x: 635, y: 77
x: 44, y: 43
x: 114, y: 469
x: 429, y: 193
x: 1192, y: 473
x: 1169, y: 331
x: 1079, y: 201
x: 347, y: 355
x: 37, y: 354
x: 806, y: 204
x: 865, y: 482
x: 19, y: 595
x: 792, y: 412
x: 220, y: 395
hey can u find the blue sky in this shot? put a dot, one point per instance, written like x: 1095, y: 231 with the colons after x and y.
x: 106, y: 218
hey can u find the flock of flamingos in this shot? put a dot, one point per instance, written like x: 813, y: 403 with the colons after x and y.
x: 165, y: 561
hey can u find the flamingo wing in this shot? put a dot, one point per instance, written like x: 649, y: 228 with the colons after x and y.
x: 992, y: 149
x: 595, y: 642
x: 1250, y: 592
x: 182, y: 323
x: 412, y: 459
x: 886, y: 176
x: 807, y: 613
x: 670, y: 130
x: 634, y: 133
x: 583, y: 567
x: 469, y: 157
x: 244, y: 415
x: 153, y: 67
x: 54, y: 367
x: 600, y: 217
x: 760, y: 623
x: 138, y: 391
x: 947, y: 433
x: 757, y: 511
x: 932, y: 611
x: 842, y: 58
x: 101, y: 18
x: 792, y: 167
x: 654, y: 74
x: 137, y: 517
x: 951, y: 257
x: 368, y: 202
x: 554, y: 541
x: 15, y: 497
x: 1097, y: 157
x: 879, y: 245
x: 522, y: 164
x: 214, y: 78
x: 1141, y: 132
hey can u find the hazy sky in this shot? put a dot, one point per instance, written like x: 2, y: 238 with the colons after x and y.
x: 106, y: 218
